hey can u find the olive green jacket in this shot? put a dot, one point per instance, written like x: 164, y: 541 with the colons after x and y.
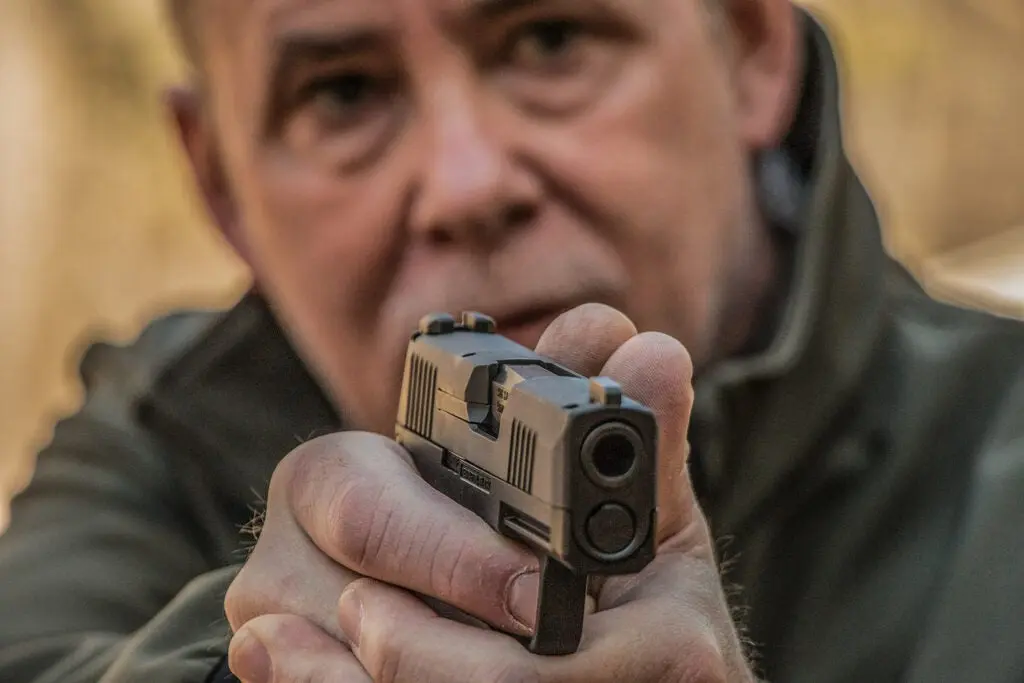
x: 865, y: 473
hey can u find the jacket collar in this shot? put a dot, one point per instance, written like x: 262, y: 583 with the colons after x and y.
x: 758, y: 418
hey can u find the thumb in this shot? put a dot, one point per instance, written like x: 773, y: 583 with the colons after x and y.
x: 655, y: 370
x: 584, y: 338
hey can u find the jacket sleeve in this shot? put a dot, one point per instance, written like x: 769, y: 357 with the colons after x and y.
x: 103, y: 577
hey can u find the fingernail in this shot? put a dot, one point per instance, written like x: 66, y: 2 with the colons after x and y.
x: 522, y: 598
x: 350, y: 615
x: 248, y: 659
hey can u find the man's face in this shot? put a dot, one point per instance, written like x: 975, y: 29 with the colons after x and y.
x: 376, y: 160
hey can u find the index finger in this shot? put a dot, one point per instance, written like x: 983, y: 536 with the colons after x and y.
x: 363, y: 504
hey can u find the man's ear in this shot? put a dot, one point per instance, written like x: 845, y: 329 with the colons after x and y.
x: 200, y: 145
x: 767, y: 57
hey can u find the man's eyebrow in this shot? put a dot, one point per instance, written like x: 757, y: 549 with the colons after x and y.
x: 298, y: 47
x: 487, y: 9
x: 295, y: 49
x: 473, y: 12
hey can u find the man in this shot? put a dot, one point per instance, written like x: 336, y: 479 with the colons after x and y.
x: 647, y: 190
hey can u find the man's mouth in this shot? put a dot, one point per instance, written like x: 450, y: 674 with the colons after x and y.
x: 526, y: 327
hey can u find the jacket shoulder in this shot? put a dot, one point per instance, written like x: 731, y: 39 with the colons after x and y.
x: 103, y: 443
x: 946, y: 333
x: 972, y: 364
x: 120, y: 374
x: 107, y: 493
x: 104, y: 432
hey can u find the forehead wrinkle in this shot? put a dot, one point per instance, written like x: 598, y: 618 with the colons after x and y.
x: 283, y: 12
x: 466, y: 12
x: 276, y: 12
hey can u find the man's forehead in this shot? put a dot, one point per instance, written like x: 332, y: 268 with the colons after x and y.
x: 276, y: 14
x: 278, y: 11
x: 257, y: 33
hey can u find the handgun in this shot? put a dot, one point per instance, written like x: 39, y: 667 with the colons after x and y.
x: 561, y: 462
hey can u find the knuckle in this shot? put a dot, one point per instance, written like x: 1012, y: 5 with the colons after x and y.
x: 305, y: 465
x: 517, y: 672
x: 448, y: 564
x: 240, y: 605
x: 333, y: 673
x: 279, y: 629
x: 363, y: 518
x: 387, y: 662
x: 368, y: 511
x: 270, y: 582
x: 701, y: 661
x: 470, y: 573
x: 341, y: 488
x: 301, y: 653
x: 390, y: 650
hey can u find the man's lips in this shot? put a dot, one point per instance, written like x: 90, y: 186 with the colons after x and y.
x: 528, y: 326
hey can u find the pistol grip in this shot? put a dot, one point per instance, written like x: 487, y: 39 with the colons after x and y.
x: 560, y: 610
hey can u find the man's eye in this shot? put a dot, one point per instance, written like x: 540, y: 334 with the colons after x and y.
x: 349, y: 91
x: 340, y: 113
x: 547, y: 44
x: 345, y: 100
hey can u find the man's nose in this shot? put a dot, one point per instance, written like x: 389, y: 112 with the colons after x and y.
x: 471, y: 188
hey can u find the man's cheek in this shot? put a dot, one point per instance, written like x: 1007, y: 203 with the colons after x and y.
x: 365, y: 373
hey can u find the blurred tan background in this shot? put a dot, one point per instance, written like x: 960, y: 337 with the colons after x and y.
x: 99, y: 229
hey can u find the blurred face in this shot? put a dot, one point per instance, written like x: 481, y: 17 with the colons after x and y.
x: 377, y: 160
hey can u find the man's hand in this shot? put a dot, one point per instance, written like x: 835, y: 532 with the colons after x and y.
x: 352, y: 506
